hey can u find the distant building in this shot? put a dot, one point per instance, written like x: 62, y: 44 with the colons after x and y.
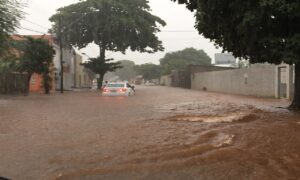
x: 69, y: 56
x: 224, y: 59
x: 83, y: 77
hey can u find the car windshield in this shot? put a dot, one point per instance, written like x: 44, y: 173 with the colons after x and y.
x: 115, y: 85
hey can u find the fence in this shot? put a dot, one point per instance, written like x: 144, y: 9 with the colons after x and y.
x: 13, y: 83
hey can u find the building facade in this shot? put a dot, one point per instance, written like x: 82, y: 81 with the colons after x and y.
x: 35, y: 83
x: 69, y: 55
x: 225, y: 59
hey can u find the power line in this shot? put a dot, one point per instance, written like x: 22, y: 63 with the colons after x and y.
x: 181, y: 31
x: 189, y: 39
x: 35, y: 24
x: 76, y: 20
x: 32, y: 30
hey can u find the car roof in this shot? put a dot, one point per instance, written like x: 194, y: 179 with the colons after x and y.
x: 117, y: 83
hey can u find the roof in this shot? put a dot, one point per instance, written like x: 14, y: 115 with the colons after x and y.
x: 47, y: 37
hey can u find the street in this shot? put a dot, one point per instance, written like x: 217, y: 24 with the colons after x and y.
x: 159, y: 133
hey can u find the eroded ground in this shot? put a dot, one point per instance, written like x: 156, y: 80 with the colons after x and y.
x: 160, y: 133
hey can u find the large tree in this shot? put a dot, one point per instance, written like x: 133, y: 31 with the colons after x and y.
x: 10, y: 15
x: 180, y: 59
x: 257, y: 30
x: 36, y: 57
x: 114, y: 25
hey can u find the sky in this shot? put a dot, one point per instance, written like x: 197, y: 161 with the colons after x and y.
x: 178, y: 34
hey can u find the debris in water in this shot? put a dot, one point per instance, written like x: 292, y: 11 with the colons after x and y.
x: 229, y: 117
x: 223, y: 140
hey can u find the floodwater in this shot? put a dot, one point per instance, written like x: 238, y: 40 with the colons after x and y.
x: 161, y: 133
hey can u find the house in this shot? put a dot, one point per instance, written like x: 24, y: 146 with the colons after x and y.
x: 74, y: 75
x: 69, y: 55
x: 36, y: 79
x: 83, y: 76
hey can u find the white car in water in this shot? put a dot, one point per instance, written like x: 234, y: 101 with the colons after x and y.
x: 118, y: 89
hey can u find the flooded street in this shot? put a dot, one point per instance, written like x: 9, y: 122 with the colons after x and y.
x: 160, y: 133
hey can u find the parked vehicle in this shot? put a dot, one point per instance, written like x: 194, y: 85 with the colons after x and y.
x: 94, y: 84
x: 149, y: 83
x: 118, y: 89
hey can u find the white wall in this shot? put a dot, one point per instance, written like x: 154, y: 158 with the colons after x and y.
x: 258, y: 80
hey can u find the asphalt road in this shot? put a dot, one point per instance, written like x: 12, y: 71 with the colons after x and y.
x: 160, y: 133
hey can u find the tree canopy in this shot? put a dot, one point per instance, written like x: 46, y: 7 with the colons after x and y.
x: 10, y: 15
x: 36, y: 57
x: 180, y: 59
x: 149, y: 71
x: 113, y: 25
x: 257, y: 30
x: 127, y: 71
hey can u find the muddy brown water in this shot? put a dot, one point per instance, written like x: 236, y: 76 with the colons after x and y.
x: 161, y: 133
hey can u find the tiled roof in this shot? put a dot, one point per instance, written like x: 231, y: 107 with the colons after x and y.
x: 48, y: 37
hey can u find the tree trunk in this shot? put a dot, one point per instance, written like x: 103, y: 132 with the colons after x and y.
x: 296, y: 101
x: 102, y: 58
x: 28, y: 84
x: 46, y: 81
x: 102, y: 52
x: 100, y: 81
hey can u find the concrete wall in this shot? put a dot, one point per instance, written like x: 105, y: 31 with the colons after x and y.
x: 182, y: 78
x: 258, y: 80
x: 165, y: 80
x: 69, y: 66
x: 78, y: 71
x: 82, y: 78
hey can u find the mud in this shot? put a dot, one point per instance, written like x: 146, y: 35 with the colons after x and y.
x: 260, y: 147
x: 177, y: 135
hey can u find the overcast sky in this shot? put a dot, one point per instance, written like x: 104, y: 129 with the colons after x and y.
x: 177, y: 35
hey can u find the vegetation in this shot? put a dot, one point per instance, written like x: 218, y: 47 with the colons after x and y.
x: 101, y: 67
x: 114, y: 25
x: 149, y: 71
x: 243, y: 64
x: 8, y: 63
x: 36, y: 57
x: 257, y: 30
x: 10, y: 15
x: 127, y: 71
x: 180, y: 59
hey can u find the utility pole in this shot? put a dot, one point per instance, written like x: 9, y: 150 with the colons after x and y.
x: 61, y: 58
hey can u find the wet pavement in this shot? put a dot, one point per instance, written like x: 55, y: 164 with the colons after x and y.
x: 160, y: 133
